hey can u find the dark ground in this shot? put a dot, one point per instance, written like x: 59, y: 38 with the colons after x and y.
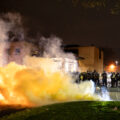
x: 9, y: 109
x: 91, y: 110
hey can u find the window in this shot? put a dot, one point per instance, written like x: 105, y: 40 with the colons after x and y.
x: 17, y: 50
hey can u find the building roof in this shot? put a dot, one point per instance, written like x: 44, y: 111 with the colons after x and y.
x: 77, y: 45
x: 64, y: 46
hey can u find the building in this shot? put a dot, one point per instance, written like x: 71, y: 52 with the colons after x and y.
x: 66, y: 64
x: 89, y: 58
x: 16, y: 51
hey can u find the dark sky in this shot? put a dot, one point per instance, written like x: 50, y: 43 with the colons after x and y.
x: 70, y: 23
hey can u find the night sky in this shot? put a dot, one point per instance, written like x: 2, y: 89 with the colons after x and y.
x: 72, y: 24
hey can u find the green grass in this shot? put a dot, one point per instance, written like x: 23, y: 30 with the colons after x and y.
x: 70, y: 111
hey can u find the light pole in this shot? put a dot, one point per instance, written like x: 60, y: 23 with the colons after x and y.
x: 116, y: 62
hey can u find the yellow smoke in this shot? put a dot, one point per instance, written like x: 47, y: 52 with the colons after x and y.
x: 40, y: 82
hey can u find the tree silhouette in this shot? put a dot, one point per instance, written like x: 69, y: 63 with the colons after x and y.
x: 107, y: 6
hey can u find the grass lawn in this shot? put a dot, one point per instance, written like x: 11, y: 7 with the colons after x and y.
x: 70, y: 111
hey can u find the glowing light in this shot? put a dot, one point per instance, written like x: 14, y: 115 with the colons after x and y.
x: 112, y: 66
x: 116, y: 62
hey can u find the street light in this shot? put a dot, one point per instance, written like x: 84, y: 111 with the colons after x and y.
x: 116, y: 62
x: 112, y: 67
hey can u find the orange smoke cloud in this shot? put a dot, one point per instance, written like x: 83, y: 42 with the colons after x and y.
x: 39, y: 82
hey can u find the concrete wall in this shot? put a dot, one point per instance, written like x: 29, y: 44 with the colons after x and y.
x: 88, y: 54
x: 93, y: 60
x: 98, y: 60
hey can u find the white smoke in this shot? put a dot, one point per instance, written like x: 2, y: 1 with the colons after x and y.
x: 4, y: 28
x: 53, y: 48
x: 105, y: 94
x: 16, y: 25
x: 11, y: 30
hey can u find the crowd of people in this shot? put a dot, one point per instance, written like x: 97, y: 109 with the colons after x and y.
x: 99, y: 79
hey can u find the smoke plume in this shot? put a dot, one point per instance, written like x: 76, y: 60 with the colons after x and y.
x: 38, y: 81
x: 53, y: 48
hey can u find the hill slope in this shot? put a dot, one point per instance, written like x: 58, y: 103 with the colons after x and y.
x: 70, y: 111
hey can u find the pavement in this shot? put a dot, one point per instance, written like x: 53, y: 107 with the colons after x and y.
x: 112, y: 92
